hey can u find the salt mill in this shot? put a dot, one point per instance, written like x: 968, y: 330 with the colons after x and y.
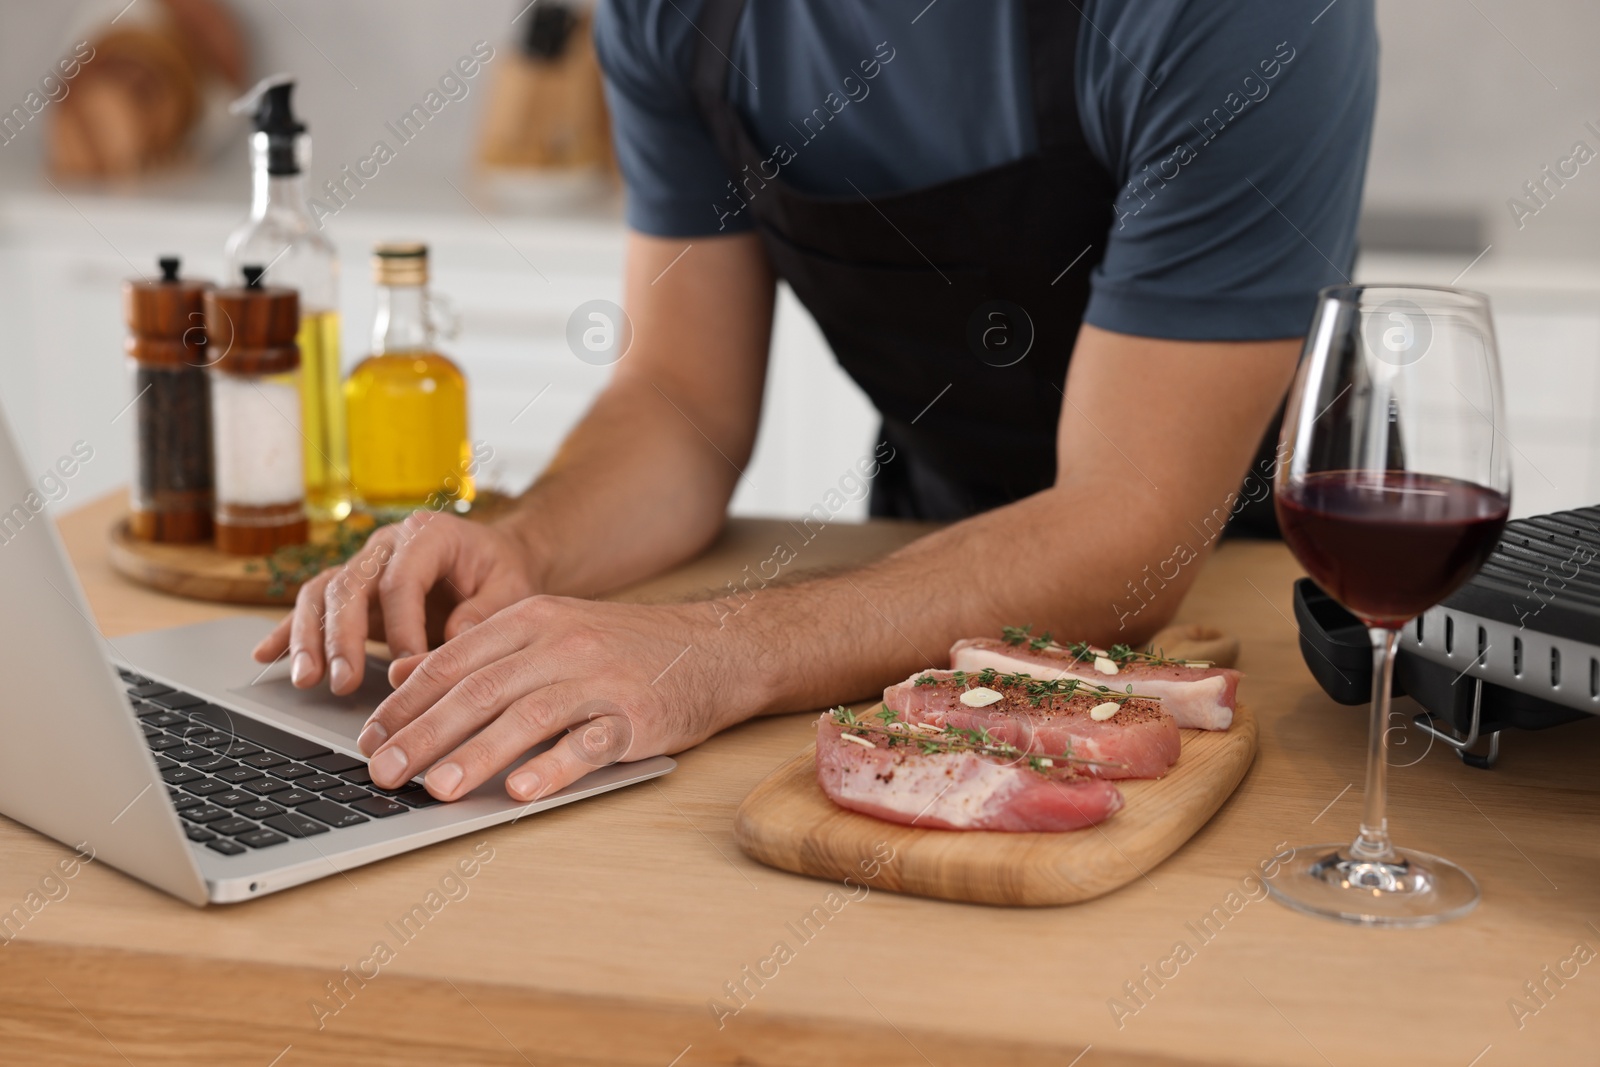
x: 255, y: 409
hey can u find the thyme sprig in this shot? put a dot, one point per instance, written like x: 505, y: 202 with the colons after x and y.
x: 880, y: 727
x: 293, y: 565
x: 1037, y: 690
x: 1019, y: 635
x: 1122, y: 655
x: 1083, y: 652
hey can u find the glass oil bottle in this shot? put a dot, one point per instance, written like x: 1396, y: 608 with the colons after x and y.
x: 283, y: 237
x: 407, y: 402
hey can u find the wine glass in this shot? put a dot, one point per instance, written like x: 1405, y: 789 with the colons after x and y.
x: 1394, y: 489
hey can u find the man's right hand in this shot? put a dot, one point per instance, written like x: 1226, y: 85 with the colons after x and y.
x: 431, y: 575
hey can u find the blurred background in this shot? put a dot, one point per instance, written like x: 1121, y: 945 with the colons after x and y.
x: 1476, y: 98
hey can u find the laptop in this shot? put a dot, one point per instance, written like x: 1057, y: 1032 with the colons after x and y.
x: 176, y: 758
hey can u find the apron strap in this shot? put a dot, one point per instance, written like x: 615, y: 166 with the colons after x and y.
x: 717, y: 22
x: 1053, y: 65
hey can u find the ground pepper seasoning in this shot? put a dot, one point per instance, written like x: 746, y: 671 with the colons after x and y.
x: 171, y: 498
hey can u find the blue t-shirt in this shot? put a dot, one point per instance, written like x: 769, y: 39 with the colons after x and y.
x: 1235, y: 130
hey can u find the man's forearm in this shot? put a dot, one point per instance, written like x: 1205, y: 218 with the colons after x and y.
x: 1050, y: 560
x: 1138, y: 412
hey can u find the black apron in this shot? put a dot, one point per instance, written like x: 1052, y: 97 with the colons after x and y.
x: 955, y: 306
x: 951, y: 305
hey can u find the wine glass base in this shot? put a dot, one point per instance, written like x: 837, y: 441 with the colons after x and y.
x: 1410, y: 889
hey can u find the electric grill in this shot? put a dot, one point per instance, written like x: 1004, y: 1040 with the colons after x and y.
x: 1518, y: 647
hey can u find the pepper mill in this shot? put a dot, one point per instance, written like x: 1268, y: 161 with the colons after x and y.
x: 255, y: 409
x: 171, y: 498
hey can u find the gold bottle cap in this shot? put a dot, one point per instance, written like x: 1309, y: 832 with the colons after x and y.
x: 400, y: 263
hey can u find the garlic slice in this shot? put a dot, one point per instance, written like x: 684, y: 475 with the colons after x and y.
x: 1104, y: 665
x: 981, y: 697
x: 1102, y: 712
x: 862, y: 741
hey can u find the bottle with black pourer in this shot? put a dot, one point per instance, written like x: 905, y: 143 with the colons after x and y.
x: 282, y: 236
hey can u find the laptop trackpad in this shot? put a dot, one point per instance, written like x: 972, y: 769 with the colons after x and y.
x: 213, y: 660
x: 317, y: 707
x: 318, y: 711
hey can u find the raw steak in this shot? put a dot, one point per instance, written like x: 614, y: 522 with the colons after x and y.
x: 1200, y: 698
x: 1140, y: 741
x: 953, y: 790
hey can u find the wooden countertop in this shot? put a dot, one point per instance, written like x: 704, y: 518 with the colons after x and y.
x: 602, y: 932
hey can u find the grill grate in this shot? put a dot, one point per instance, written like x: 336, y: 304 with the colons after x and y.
x: 1544, y: 575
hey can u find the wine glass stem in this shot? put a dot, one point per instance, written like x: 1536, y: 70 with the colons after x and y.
x: 1373, y: 841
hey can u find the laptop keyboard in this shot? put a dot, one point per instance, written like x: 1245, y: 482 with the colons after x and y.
x: 241, y: 784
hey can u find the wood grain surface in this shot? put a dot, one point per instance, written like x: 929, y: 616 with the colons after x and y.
x: 606, y: 932
x: 788, y: 822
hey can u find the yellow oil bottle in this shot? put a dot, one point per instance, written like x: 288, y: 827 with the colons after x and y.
x: 406, y: 403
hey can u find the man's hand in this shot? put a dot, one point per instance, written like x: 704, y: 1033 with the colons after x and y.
x: 623, y: 681
x: 658, y: 453
x: 433, y: 574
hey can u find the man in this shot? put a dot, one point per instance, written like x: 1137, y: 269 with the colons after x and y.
x: 964, y: 194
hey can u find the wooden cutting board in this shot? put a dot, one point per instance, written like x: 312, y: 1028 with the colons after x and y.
x: 788, y: 822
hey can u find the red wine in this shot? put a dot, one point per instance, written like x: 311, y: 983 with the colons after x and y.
x: 1389, y: 545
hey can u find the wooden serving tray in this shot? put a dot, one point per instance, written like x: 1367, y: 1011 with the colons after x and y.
x: 197, y: 571
x: 788, y: 822
x: 203, y: 573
